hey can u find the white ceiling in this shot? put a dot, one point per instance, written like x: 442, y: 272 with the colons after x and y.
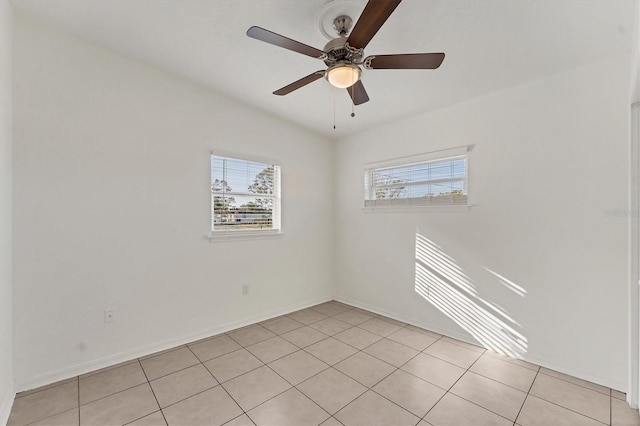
x: 489, y: 45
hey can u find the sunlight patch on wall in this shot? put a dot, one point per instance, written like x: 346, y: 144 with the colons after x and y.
x: 508, y: 283
x: 441, y: 281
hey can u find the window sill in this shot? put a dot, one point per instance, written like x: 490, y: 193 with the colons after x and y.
x: 242, y: 236
x: 418, y: 209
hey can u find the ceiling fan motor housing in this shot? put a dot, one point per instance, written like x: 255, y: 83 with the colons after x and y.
x: 337, y: 50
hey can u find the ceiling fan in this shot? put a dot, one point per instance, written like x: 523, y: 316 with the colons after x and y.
x: 343, y: 55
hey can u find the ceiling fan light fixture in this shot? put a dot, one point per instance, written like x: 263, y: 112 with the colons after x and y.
x: 343, y: 75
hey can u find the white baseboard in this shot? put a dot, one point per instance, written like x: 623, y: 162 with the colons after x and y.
x: 445, y: 332
x: 5, y: 406
x: 76, y: 370
x: 580, y: 374
x: 584, y: 375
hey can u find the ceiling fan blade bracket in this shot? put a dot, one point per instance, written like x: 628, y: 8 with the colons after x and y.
x: 353, y: 53
x: 367, y: 62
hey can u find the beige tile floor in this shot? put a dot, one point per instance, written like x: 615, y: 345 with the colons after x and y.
x: 330, y: 364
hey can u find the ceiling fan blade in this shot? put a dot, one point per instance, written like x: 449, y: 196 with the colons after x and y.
x: 282, y: 41
x: 409, y: 61
x: 373, y: 16
x: 357, y: 93
x: 300, y: 83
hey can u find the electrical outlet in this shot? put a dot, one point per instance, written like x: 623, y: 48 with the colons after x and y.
x: 109, y: 316
x: 245, y: 289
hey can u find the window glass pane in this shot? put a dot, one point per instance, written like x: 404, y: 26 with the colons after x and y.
x: 242, y: 176
x: 244, y: 195
x: 446, y: 189
x: 418, y: 191
x: 459, y: 168
x: 433, y: 181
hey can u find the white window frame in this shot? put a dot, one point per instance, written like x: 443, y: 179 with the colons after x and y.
x: 276, y: 212
x: 413, y: 204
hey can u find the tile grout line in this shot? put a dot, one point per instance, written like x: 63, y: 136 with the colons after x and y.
x: 280, y: 393
x: 219, y: 384
x: 53, y: 385
x: 135, y: 420
x: 413, y: 357
x: 399, y: 369
x: 48, y: 417
x: 379, y: 335
x: 345, y: 406
x: 558, y: 405
x: 320, y: 372
x: 527, y: 396
x: 498, y: 381
x: 243, y: 414
x: 332, y: 416
x: 481, y: 406
x: 228, y: 334
x: 568, y: 409
x: 234, y: 377
x: 576, y: 384
x: 279, y: 334
x: 168, y: 374
x: 298, y: 348
x: 136, y: 385
x: 495, y: 355
x: 110, y: 367
x: 296, y: 386
x: 152, y: 392
x: 184, y: 399
x: 448, y: 391
x: 464, y: 345
x: 145, y: 357
x: 129, y: 388
x: 60, y: 412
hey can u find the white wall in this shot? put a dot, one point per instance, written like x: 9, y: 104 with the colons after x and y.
x: 550, y: 158
x: 111, y: 209
x: 6, y: 340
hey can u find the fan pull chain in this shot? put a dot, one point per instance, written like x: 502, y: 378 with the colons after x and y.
x: 334, y: 109
x: 353, y: 114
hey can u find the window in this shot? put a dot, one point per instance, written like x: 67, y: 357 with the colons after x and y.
x: 417, y: 181
x: 245, y: 196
